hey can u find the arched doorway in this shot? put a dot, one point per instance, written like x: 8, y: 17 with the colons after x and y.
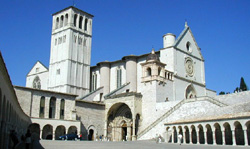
x: 35, y: 131
x: 120, y: 122
x: 47, y: 132
x: 60, y: 130
x: 91, y: 135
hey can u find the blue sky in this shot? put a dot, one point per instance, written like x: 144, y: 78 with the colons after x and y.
x: 123, y: 27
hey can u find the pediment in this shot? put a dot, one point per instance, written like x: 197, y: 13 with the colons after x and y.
x: 38, y: 68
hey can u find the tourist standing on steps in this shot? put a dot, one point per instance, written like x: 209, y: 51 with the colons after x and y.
x: 180, y: 138
x: 28, y: 139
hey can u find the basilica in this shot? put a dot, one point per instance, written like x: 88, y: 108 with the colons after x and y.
x: 161, y: 93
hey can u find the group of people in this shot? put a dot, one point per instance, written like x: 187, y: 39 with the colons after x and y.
x: 14, y: 141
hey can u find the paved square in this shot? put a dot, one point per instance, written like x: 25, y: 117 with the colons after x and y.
x: 121, y: 145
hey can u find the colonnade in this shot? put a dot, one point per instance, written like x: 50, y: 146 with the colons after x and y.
x: 226, y: 132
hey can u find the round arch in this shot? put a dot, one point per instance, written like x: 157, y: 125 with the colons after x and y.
x: 117, y: 114
x: 47, y: 132
x: 60, y: 130
x: 239, y: 133
x: 209, y: 134
x: 248, y: 132
x: 201, y: 134
x: 35, y: 131
x: 187, y: 137
x: 228, y: 134
x: 218, y: 133
x: 91, y: 132
x: 72, y: 129
x: 190, y: 92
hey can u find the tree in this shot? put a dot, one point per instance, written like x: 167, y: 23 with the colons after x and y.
x: 222, y: 93
x: 243, y: 86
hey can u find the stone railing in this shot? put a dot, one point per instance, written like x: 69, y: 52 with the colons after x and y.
x: 178, y: 105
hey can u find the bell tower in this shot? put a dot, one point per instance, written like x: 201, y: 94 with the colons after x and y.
x: 70, y: 53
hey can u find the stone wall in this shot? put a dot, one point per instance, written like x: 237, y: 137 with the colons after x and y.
x: 91, y: 116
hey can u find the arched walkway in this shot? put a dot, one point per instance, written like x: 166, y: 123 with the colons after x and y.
x: 218, y: 134
x: 201, y: 135
x: 228, y: 134
x: 193, y: 134
x: 47, y: 132
x: 239, y: 134
x: 248, y: 132
x: 35, y: 131
x: 72, y: 129
x: 209, y: 134
x: 187, y: 137
x: 60, y: 130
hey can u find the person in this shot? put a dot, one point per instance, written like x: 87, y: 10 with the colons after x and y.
x: 159, y: 139
x: 180, y: 138
x: 14, y: 138
x: 28, y: 139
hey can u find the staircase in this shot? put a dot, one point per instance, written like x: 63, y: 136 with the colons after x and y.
x: 178, y: 105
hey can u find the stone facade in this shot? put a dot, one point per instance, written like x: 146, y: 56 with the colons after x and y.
x: 135, y: 97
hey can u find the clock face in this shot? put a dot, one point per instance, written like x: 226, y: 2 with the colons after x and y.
x: 189, y: 66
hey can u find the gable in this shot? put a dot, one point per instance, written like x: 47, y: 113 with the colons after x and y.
x: 187, y: 44
x: 37, y: 68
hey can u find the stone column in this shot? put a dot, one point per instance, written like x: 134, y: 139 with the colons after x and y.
x: 41, y: 134
x: 223, y: 137
x: 233, y: 137
x: 205, y: 138
x: 53, y: 133
x: 184, y: 138
x: 129, y: 133
x: 172, y: 135
x: 190, y: 137
x: 198, y: 137
x: 113, y: 133
x: 105, y: 128
x: 214, y: 138
x: 133, y: 137
x: 245, y: 137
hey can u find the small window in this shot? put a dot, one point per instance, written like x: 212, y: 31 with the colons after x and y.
x: 37, y: 69
x: 148, y: 71
x: 57, y: 22
x: 80, y: 22
x: 75, y: 18
x: 55, y: 41
x: 58, y: 71
x: 37, y: 83
x: 66, y: 19
x: 189, y: 47
x: 61, y: 23
x: 86, y: 25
